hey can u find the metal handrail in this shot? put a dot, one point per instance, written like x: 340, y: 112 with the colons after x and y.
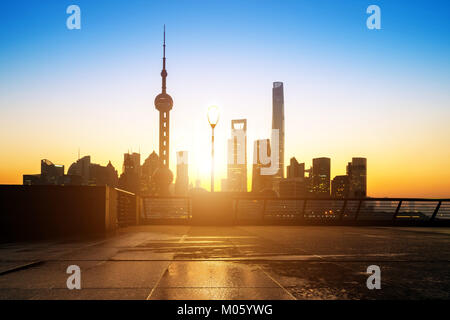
x: 359, y: 209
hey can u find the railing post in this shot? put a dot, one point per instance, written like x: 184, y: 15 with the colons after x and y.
x: 435, y: 211
x: 264, y: 209
x: 358, y: 209
x: 304, y: 208
x: 344, y: 206
x: 394, y: 217
x: 189, y: 210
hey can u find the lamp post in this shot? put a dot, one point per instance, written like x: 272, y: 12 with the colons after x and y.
x: 213, y: 118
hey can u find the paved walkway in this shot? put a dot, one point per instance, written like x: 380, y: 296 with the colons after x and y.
x: 243, y: 262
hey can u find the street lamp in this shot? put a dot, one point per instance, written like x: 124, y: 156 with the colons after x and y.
x: 213, y: 118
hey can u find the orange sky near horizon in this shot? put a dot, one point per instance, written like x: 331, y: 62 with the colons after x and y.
x: 417, y: 168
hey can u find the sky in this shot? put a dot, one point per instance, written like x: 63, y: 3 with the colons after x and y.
x: 349, y: 91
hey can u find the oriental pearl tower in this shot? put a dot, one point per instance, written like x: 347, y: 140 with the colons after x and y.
x: 163, y: 103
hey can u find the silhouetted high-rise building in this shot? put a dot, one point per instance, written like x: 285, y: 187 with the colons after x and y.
x: 357, y: 175
x: 294, y: 187
x: 148, y: 185
x: 93, y: 174
x: 321, y: 177
x: 261, y: 182
x: 182, y: 181
x: 51, y: 174
x: 81, y: 168
x: 81, y: 172
x: 102, y: 176
x: 295, y: 169
x: 237, y: 157
x: 130, y: 179
x: 278, y: 122
x: 340, y: 187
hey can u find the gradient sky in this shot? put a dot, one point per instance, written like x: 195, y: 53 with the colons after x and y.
x: 349, y: 91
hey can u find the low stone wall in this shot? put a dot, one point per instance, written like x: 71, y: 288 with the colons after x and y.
x: 31, y: 212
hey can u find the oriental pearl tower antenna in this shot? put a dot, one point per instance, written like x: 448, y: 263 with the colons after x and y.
x: 164, y: 103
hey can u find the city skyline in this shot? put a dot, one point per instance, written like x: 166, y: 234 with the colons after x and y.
x: 371, y: 128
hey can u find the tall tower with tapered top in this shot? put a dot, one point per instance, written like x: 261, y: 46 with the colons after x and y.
x: 164, y: 103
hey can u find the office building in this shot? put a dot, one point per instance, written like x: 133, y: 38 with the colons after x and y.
x: 182, y: 180
x: 294, y: 187
x: 340, y: 187
x: 237, y: 157
x: 261, y: 182
x: 130, y: 179
x: 148, y: 168
x: 357, y: 175
x: 295, y: 169
x: 81, y: 172
x: 51, y: 174
x: 278, y: 122
x: 81, y: 168
x: 321, y: 177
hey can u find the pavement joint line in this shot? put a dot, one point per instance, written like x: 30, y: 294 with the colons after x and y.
x: 268, y: 275
x: 159, y: 280
x: 277, y: 283
x: 166, y: 269
x: 22, y: 267
x: 33, y: 263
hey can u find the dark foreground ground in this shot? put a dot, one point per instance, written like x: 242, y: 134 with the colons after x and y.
x: 243, y: 262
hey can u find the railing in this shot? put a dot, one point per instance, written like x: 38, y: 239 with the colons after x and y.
x: 166, y: 208
x: 126, y: 208
x: 344, y: 210
x: 267, y: 210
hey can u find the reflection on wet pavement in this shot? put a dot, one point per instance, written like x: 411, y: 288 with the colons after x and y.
x: 242, y: 262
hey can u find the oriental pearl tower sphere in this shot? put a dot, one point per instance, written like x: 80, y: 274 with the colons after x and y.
x: 163, y: 103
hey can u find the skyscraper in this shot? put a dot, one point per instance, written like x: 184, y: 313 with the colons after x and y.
x: 340, y: 187
x: 295, y: 169
x: 100, y: 175
x: 182, y: 181
x: 148, y: 185
x: 261, y: 182
x: 237, y: 157
x: 278, y: 122
x: 130, y: 179
x: 81, y: 168
x: 50, y: 174
x: 84, y: 172
x: 321, y: 177
x: 295, y: 185
x: 164, y: 103
x: 163, y: 177
x: 357, y: 174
